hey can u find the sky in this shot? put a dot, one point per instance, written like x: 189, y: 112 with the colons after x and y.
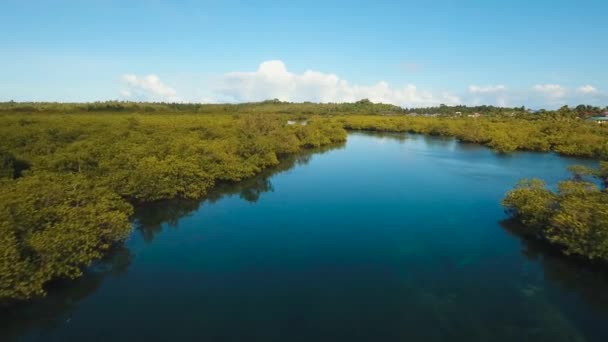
x: 537, y: 53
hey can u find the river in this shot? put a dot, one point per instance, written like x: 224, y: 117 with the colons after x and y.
x: 389, y: 237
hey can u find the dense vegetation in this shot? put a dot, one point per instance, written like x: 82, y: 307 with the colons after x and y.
x: 574, y: 217
x: 265, y: 107
x: 581, y: 111
x: 68, y: 182
x: 71, y: 174
x: 279, y: 107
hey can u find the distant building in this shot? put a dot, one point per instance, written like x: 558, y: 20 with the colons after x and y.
x: 600, y: 119
x: 474, y: 115
x: 301, y: 123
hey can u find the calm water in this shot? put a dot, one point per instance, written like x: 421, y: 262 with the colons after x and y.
x: 386, y: 238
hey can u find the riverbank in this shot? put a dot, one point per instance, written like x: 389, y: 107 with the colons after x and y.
x: 504, y: 134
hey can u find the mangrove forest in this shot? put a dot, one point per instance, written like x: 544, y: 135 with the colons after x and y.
x: 72, y: 174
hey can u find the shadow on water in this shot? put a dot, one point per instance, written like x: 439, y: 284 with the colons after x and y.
x: 524, y: 306
x: 46, y: 313
x: 64, y: 295
x: 150, y: 218
x: 586, y: 280
x: 399, y: 137
x: 438, y: 141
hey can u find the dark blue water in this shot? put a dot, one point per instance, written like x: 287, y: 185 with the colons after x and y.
x: 387, y: 238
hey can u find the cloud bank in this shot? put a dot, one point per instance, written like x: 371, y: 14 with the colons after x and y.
x: 489, y: 95
x: 490, y: 89
x: 587, y: 89
x: 552, y: 91
x: 147, y: 88
x: 273, y: 80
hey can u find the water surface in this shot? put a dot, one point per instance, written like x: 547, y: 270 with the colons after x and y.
x: 388, y: 238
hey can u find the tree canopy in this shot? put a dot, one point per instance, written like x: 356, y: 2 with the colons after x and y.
x: 575, y: 217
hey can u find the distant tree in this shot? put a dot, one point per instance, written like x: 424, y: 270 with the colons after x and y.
x: 364, y: 102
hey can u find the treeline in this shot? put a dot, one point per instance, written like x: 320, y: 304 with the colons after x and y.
x: 581, y: 111
x: 68, y: 183
x: 574, y: 217
x: 265, y: 107
x: 280, y: 107
x: 543, y: 133
x: 467, y: 110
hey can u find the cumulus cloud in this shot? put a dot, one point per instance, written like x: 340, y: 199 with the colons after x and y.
x: 587, y: 89
x: 489, y: 89
x: 273, y: 80
x: 489, y: 95
x: 553, y: 91
x: 147, y: 88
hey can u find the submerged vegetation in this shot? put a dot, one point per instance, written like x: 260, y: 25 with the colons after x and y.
x: 574, y: 217
x: 71, y: 174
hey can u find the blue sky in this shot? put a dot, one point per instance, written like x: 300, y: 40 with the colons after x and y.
x: 411, y: 53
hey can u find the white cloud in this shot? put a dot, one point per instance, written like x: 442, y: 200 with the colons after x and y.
x: 273, y: 80
x: 489, y: 89
x: 488, y: 95
x: 147, y: 88
x: 587, y: 89
x: 552, y: 91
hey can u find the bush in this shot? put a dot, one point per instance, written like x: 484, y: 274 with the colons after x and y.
x: 575, y: 218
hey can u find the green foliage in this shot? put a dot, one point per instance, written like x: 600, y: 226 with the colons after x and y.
x: 266, y: 107
x: 532, y: 203
x: 170, y: 177
x: 52, y: 224
x: 503, y: 142
x: 574, y: 218
x: 603, y: 173
x: 579, y: 171
x: 11, y: 167
x: 580, y: 224
x: 7, y: 165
